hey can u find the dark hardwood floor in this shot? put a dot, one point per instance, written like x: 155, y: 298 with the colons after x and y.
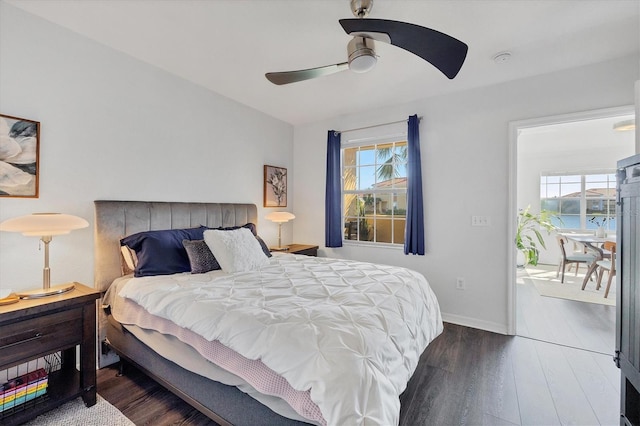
x: 465, y: 377
x: 144, y: 401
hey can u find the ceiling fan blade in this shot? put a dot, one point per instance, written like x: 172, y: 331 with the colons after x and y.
x: 441, y: 50
x: 287, y: 77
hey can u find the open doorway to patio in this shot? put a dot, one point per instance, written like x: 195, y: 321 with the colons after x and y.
x: 566, y: 165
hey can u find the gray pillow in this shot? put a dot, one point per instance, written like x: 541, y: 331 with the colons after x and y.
x: 200, y: 257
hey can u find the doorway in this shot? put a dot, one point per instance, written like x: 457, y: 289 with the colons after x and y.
x: 580, y: 149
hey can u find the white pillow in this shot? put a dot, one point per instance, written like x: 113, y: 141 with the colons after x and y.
x: 236, y: 250
x: 130, y: 258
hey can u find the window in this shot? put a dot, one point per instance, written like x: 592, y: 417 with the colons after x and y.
x: 581, y: 201
x: 374, y: 191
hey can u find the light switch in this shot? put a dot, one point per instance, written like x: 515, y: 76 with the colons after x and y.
x: 479, y: 220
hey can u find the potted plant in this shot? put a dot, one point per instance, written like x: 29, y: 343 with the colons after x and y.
x: 528, y: 234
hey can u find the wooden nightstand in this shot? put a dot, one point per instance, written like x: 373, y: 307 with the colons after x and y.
x: 33, y: 328
x: 306, y: 249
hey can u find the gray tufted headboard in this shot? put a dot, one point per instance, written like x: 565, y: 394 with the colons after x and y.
x: 116, y: 219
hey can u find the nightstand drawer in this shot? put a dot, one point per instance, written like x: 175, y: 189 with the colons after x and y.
x: 40, y: 335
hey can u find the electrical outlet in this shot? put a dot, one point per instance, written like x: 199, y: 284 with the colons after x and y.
x: 479, y: 220
x: 460, y: 285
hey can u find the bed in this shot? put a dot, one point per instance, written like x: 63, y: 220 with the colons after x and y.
x: 294, y: 340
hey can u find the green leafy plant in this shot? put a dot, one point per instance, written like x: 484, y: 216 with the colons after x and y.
x: 528, y: 234
x: 389, y: 158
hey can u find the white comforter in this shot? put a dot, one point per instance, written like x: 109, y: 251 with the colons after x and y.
x: 351, y: 332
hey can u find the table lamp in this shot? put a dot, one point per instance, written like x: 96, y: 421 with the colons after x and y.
x: 280, y: 218
x: 45, y: 226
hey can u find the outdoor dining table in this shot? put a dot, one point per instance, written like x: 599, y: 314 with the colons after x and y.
x: 593, y: 244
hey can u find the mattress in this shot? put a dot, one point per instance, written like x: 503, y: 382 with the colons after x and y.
x: 203, y: 357
x: 348, y: 333
x: 174, y: 350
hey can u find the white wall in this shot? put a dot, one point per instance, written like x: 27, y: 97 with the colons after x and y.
x: 465, y: 159
x: 113, y: 127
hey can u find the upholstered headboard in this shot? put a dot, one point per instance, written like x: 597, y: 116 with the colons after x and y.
x: 116, y: 219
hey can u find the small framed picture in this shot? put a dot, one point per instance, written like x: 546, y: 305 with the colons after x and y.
x: 19, y: 157
x: 275, y: 186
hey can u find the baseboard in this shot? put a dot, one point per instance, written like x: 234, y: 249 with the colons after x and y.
x: 475, y: 323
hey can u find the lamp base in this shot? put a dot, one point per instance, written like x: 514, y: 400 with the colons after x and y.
x: 51, y: 291
x: 285, y: 248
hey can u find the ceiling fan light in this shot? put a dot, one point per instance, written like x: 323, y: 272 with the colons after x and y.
x: 362, y: 57
x: 362, y: 63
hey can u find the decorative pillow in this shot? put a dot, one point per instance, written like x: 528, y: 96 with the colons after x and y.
x: 254, y: 231
x: 162, y: 252
x: 235, y: 250
x: 200, y: 257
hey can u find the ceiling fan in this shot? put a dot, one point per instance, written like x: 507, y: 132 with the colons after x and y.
x: 441, y: 50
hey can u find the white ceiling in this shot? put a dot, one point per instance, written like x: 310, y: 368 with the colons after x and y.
x: 228, y: 45
x: 561, y: 139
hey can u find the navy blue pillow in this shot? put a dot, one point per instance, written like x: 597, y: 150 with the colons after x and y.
x: 162, y: 252
x: 250, y: 226
x: 264, y: 247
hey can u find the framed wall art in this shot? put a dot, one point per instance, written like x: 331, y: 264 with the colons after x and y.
x: 19, y: 157
x: 275, y: 186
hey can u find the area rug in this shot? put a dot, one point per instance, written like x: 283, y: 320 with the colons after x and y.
x: 543, y: 278
x: 74, y: 413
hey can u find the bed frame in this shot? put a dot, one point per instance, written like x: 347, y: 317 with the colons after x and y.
x: 226, y: 405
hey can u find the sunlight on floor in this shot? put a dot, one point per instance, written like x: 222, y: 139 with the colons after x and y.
x: 546, y: 281
x: 556, y: 312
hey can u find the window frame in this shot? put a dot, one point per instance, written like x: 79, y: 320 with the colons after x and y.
x: 372, y: 140
x: 583, y: 199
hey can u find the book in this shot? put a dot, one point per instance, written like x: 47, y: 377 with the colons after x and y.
x: 23, y: 395
x: 23, y: 380
x: 23, y: 388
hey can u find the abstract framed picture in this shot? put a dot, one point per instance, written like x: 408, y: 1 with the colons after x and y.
x: 19, y: 157
x: 275, y: 186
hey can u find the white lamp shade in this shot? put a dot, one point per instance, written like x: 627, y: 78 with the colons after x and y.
x: 40, y: 224
x: 280, y: 217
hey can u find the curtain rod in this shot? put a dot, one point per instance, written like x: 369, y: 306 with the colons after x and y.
x: 376, y: 125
